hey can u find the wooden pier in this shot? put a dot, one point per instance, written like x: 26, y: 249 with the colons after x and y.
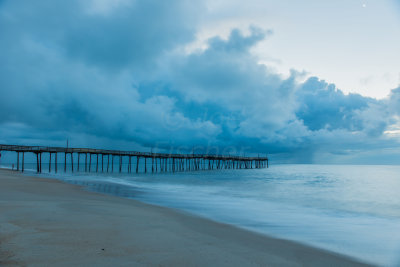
x: 104, y: 160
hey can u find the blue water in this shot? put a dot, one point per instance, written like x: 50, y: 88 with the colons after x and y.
x: 353, y: 210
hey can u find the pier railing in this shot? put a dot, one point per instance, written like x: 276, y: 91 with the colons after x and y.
x: 160, y: 162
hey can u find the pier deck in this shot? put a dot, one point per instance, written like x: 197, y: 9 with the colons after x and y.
x: 160, y: 162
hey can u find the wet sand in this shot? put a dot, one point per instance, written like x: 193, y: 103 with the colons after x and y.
x: 45, y: 222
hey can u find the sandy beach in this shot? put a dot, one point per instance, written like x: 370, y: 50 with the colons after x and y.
x: 45, y: 222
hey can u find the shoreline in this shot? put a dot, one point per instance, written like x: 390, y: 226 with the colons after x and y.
x: 48, y: 222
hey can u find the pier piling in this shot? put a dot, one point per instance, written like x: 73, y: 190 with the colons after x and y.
x: 23, y: 161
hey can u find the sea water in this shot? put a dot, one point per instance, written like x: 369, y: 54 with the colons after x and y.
x: 349, y: 209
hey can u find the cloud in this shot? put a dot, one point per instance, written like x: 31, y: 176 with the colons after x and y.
x: 394, y: 101
x: 108, y: 34
x: 228, y: 78
x: 79, y: 64
x: 323, y: 106
x: 114, y: 74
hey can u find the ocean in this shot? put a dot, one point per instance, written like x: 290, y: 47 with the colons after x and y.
x: 349, y: 209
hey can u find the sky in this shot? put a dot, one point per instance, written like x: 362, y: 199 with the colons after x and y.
x: 301, y: 81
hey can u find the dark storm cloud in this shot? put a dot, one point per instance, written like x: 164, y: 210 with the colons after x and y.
x: 115, y: 75
x: 131, y: 33
x: 136, y: 34
x: 325, y: 107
